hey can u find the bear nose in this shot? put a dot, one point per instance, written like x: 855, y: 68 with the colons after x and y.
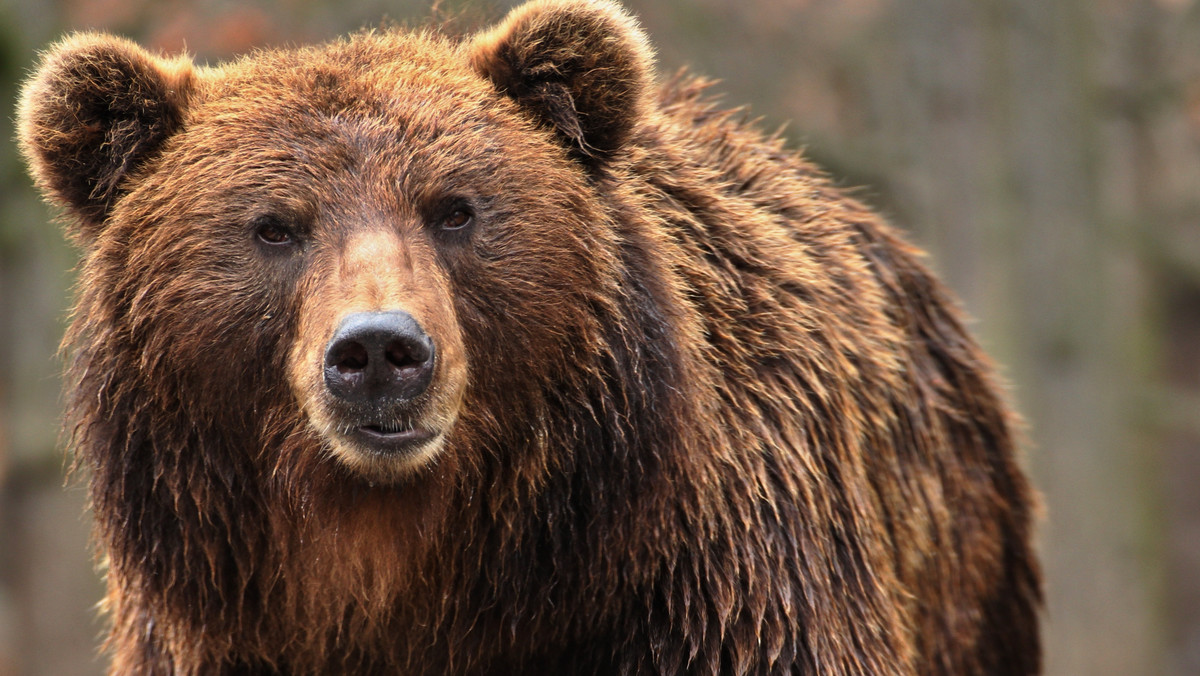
x: 377, y: 357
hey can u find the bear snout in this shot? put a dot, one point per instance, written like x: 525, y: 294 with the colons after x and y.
x: 378, y: 359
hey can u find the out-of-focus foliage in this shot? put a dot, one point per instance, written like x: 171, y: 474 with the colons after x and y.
x: 1046, y: 153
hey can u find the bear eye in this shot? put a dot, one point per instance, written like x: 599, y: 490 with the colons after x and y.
x: 458, y: 218
x: 271, y: 231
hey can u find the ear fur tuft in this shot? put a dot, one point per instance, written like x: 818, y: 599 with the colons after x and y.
x: 584, y: 67
x: 97, y: 107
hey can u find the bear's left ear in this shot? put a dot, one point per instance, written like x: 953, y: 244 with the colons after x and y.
x: 96, y: 109
x: 584, y: 67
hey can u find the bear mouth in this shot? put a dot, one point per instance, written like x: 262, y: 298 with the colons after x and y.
x: 385, y: 444
x: 391, y: 438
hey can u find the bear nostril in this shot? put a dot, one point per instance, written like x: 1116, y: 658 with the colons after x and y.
x: 405, y: 354
x: 350, y: 357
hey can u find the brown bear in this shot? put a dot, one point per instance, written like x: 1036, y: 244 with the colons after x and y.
x: 412, y: 354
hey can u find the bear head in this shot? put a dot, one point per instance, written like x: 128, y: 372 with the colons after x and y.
x: 360, y: 254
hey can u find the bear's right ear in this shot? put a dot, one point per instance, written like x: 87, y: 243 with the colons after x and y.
x: 97, y: 107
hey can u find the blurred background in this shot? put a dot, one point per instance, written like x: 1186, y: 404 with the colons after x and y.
x: 1045, y: 152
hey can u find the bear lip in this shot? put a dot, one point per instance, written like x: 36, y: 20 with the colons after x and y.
x: 383, y: 439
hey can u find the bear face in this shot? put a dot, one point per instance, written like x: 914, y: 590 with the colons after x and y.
x: 293, y: 195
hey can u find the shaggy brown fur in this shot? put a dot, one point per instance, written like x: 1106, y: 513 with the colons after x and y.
x: 694, y: 410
